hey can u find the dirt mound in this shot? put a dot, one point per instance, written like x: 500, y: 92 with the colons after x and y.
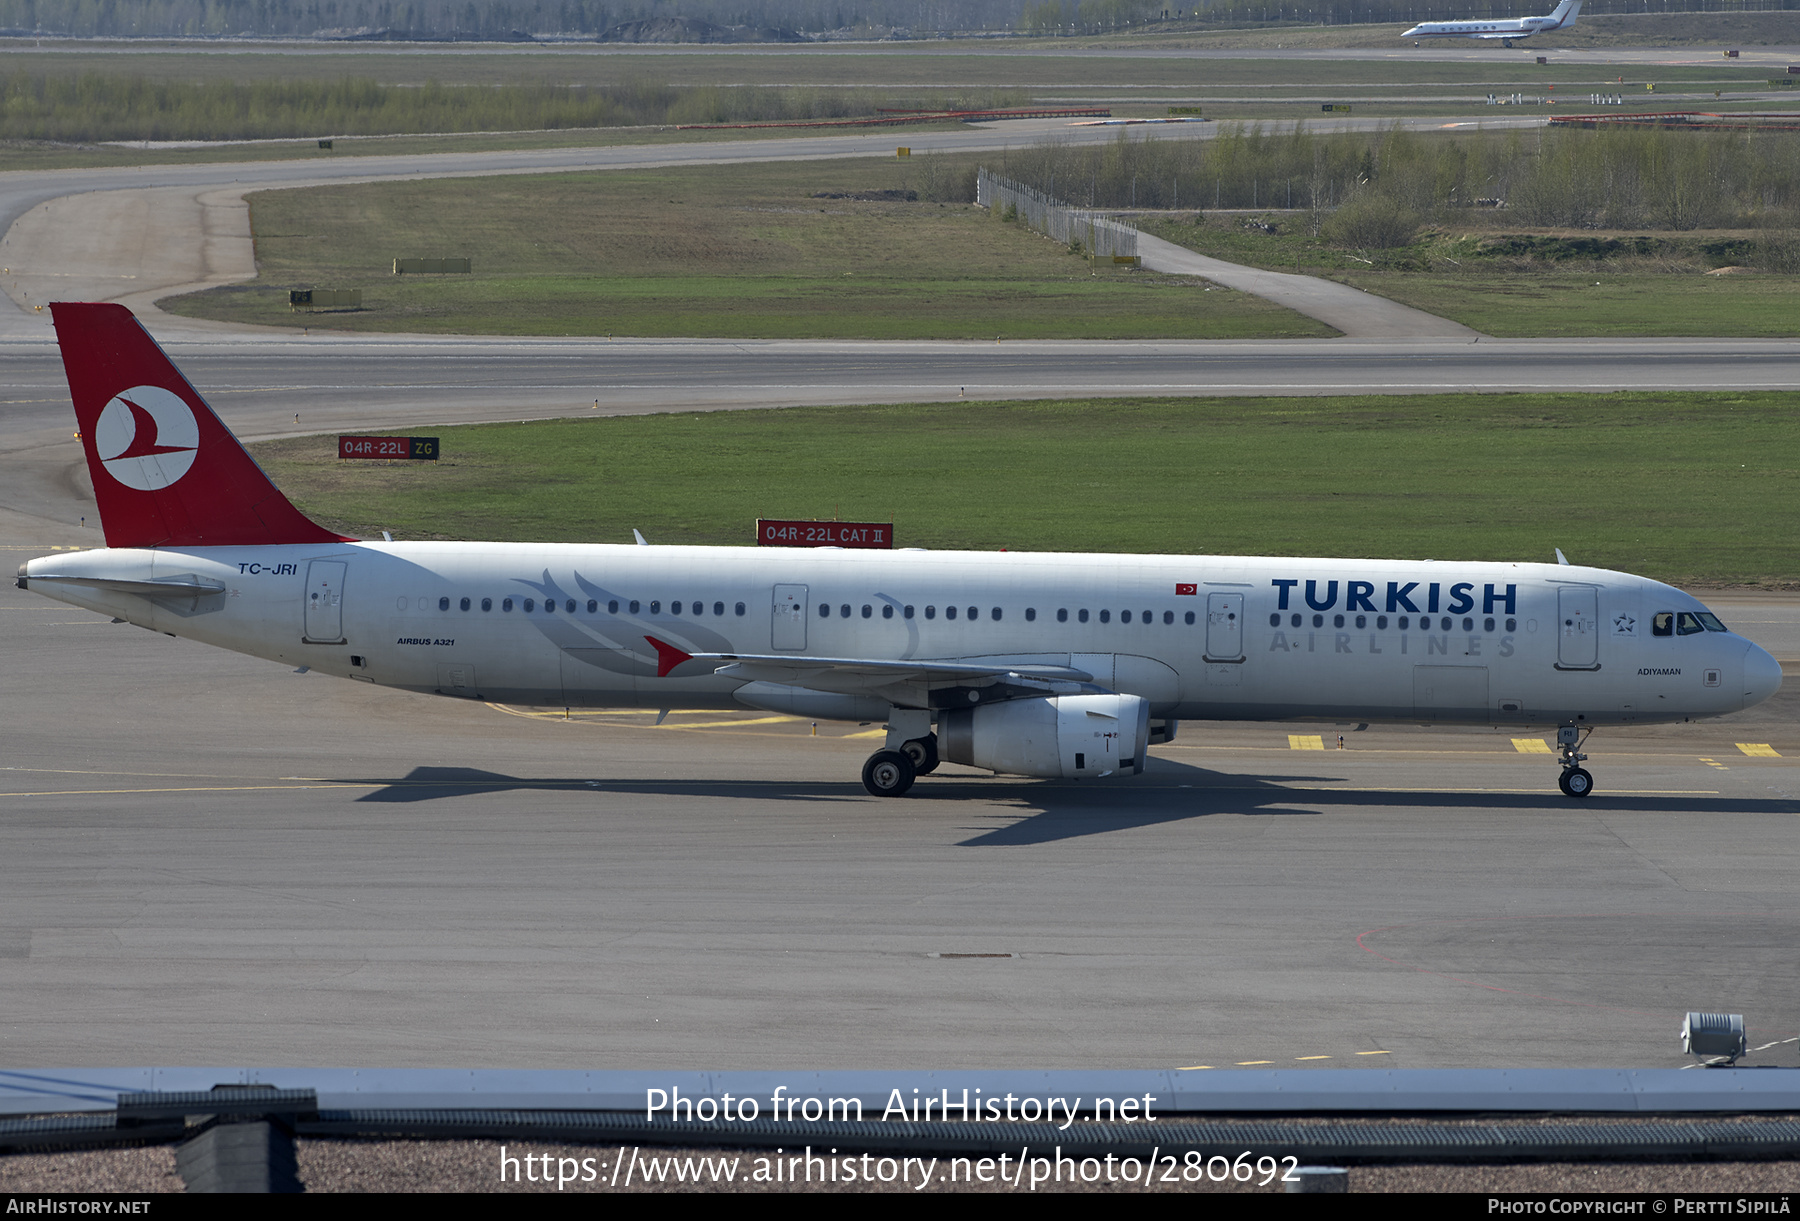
x: 870, y: 196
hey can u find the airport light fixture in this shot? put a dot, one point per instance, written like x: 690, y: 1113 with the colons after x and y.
x: 1713, y: 1034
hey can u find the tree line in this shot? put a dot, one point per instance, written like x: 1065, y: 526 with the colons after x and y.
x: 95, y: 107
x: 1396, y: 180
x: 508, y: 19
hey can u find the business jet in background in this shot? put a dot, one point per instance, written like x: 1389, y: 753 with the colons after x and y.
x: 1506, y: 31
x: 1058, y: 665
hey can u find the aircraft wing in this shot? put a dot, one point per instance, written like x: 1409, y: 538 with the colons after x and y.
x: 851, y: 673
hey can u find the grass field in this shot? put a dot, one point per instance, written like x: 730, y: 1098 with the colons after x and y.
x: 1666, y: 294
x: 734, y: 251
x: 1697, y: 489
x: 1526, y: 305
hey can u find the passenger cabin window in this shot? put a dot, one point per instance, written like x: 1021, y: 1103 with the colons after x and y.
x: 487, y: 604
x: 868, y: 612
x: 1031, y: 614
x: 887, y: 612
x: 1082, y: 615
x: 1190, y: 618
x: 443, y: 604
x: 996, y: 614
x: 719, y: 608
x: 1062, y: 614
x: 740, y: 608
x: 593, y: 606
x: 908, y: 612
x: 824, y: 611
x: 465, y: 604
x: 949, y: 612
x: 931, y: 612
x: 1106, y: 616
x: 634, y: 606
x: 529, y: 607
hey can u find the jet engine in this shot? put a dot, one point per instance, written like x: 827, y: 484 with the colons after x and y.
x: 1066, y: 737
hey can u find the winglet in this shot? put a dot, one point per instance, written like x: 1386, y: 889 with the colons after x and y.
x: 667, y: 656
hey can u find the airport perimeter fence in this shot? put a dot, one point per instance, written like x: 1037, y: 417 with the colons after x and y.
x: 1055, y: 219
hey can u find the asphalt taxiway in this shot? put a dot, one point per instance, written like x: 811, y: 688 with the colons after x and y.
x: 214, y: 860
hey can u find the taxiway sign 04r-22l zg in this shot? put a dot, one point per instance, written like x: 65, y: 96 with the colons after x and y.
x: 1055, y: 665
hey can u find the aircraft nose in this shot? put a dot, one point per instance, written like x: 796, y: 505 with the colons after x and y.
x: 1762, y: 676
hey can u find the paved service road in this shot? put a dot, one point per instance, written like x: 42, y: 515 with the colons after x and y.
x: 138, y: 233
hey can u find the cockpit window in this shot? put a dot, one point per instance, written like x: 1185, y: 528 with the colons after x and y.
x: 1688, y: 624
x: 1712, y: 622
x: 1662, y: 623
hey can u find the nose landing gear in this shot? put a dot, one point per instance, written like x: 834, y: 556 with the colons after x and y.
x: 1575, y: 780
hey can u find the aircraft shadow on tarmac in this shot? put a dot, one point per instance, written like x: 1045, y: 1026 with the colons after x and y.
x: 1021, y: 811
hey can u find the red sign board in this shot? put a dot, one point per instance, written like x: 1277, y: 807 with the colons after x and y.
x: 422, y: 449
x: 824, y: 533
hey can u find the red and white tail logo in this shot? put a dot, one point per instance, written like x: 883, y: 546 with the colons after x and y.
x: 166, y: 471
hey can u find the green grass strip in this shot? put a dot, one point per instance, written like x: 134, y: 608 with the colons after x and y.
x: 1690, y: 488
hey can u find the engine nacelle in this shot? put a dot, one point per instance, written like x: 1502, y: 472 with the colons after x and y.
x: 1065, y: 737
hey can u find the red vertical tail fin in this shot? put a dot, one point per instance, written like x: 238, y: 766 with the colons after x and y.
x: 166, y: 470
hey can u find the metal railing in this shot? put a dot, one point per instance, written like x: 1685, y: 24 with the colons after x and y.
x: 1055, y: 219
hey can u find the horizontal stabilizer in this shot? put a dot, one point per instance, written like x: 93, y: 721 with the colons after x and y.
x: 161, y: 587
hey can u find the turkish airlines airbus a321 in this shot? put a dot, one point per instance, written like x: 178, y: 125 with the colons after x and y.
x: 1056, y: 665
x: 1505, y: 31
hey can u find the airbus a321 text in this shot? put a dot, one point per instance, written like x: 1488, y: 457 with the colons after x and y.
x: 1506, y: 31
x: 1056, y: 665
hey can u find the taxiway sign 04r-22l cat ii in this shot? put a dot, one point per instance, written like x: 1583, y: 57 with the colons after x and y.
x: 1055, y: 665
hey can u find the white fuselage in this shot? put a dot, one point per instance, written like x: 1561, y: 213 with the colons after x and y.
x: 1257, y: 638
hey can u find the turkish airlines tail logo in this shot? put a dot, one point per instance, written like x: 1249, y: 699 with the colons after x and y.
x: 146, y: 438
x: 167, y: 472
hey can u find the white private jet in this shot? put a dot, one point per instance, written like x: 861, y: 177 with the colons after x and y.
x: 1506, y: 31
x: 1055, y: 665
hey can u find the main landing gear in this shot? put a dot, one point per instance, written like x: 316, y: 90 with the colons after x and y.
x: 889, y: 773
x: 1575, y: 780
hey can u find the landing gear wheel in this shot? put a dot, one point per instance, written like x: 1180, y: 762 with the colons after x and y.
x: 888, y: 773
x: 923, y: 752
x: 1575, y: 782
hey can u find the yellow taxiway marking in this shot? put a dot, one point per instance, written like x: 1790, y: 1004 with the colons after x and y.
x: 1247, y: 1063
x: 1372, y: 1053
x: 1306, y: 741
x: 868, y: 733
x: 1193, y: 1068
x: 1312, y: 1057
x: 1759, y: 748
x: 1714, y: 763
x: 1531, y: 746
x: 761, y: 720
